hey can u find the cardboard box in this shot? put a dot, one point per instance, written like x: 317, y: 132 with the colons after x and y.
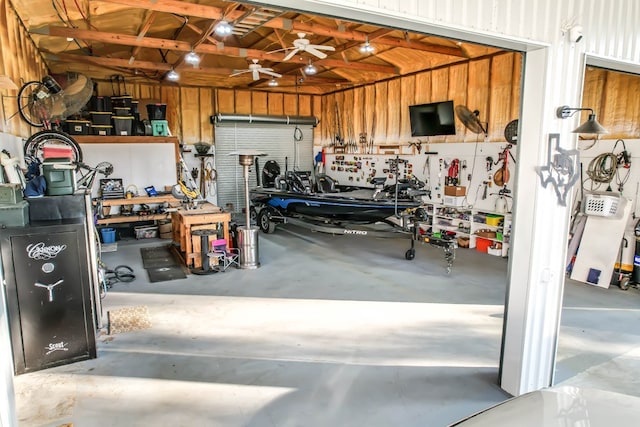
x: 490, y: 234
x: 453, y: 201
x: 453, y: 190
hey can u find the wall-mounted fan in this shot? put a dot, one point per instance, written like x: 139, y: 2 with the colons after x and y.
x: 511, y: 132
x: 52, y: 99
x: 470, y: 119
x: 301, y: 44
x: 256, y: 69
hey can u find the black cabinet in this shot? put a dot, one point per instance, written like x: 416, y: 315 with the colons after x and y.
x: 49, y: 298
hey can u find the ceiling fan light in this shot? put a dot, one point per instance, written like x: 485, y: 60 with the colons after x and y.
x: 367, y: 48
x: 310, y: 69
x: 273, y: 83
x: 192, y: 58
x: 173, y: 75
x: 223, y: 28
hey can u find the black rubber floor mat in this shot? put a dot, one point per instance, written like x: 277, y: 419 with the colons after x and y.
x: 159, y: 256
x: 162, y: 263
x: 164, y: 274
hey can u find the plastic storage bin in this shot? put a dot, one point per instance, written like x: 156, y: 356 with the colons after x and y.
x: 494, y: 220
x: 108, y: 235
x: 100, y: 117
x: 100, y: 103
x: 483, y: 245
x: 123, y: 101
x: 157, y: 111
x: 77, y: 127
x: 122, y: 125
x: 146, y: 231
x: 59, y: 173
x: 101, y: 130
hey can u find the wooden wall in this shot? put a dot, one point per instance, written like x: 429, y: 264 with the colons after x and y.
x: 615, y: 98
x: 490, y: 85
x: 20, y: 62
x: 189, y: 108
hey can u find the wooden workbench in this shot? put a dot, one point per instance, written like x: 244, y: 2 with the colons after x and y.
x: 186, y: 220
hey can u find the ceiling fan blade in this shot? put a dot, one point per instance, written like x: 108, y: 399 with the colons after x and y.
x: 256, y: 75
x: 281, y: 50
x: 238, y: 72
x: 314, y: 51
x: 290, y: 54
x: 269, y: 72
x: 321, y: 47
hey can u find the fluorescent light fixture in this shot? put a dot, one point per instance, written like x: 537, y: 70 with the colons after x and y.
x: 192, y: 58
x: 223, y: 28
x: 273, y: 83
x: 173, y: 76
x: 591, y: 126
x: 366, y: 47
x: 310, y: 69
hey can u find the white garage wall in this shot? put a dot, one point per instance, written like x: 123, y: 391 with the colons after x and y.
x: 276, y: 141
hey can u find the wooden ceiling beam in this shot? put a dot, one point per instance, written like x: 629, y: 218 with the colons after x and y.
x: 180, y: 46
x: 211, y: 12
x: 114, y: 38
x: 107, y: 62
x: 163, y: 67
x: 148, y: 21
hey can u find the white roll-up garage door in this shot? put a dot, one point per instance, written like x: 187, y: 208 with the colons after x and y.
x: 281, y: 143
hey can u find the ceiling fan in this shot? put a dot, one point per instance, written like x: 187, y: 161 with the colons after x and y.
x: 256, y: 69
x: 301, y: 44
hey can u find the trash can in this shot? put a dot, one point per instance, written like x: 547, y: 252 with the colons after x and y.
x: 248, y: 245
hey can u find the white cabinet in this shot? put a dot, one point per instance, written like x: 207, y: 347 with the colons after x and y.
x: 484, y: 230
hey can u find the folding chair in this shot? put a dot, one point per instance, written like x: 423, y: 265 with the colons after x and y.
x: 223, y: 256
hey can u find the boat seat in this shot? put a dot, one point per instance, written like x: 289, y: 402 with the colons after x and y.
x: 326, y: 184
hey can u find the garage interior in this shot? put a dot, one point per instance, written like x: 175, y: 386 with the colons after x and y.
x: 365, y: 336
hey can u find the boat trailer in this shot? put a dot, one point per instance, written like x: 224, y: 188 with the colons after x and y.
x: 407, y: 227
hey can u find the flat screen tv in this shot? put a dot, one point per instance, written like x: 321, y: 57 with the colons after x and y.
x: 436, y: 118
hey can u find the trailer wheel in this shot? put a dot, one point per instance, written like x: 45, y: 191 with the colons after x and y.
x: 410, y: 254
x: 264, y: 221
x: 624, y: 283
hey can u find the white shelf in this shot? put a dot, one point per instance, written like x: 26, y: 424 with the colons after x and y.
x: 446, y: 219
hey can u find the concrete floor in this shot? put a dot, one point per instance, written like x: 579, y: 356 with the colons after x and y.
x: 330, y: 331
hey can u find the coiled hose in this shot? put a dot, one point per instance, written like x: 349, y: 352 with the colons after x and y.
x: 602, y: 168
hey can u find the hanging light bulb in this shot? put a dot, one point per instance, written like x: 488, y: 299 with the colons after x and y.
x: 367, y: 47
x: 273, y: 83
x: 192, y: 58
x: 310, y: 68
x: 173, y: 75
x: 223, y: 28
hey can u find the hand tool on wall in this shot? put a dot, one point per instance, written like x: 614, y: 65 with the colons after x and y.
x: 338, y: 131
x: 453, y: 173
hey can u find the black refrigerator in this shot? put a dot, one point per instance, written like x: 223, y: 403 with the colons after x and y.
x: 49, y: 295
